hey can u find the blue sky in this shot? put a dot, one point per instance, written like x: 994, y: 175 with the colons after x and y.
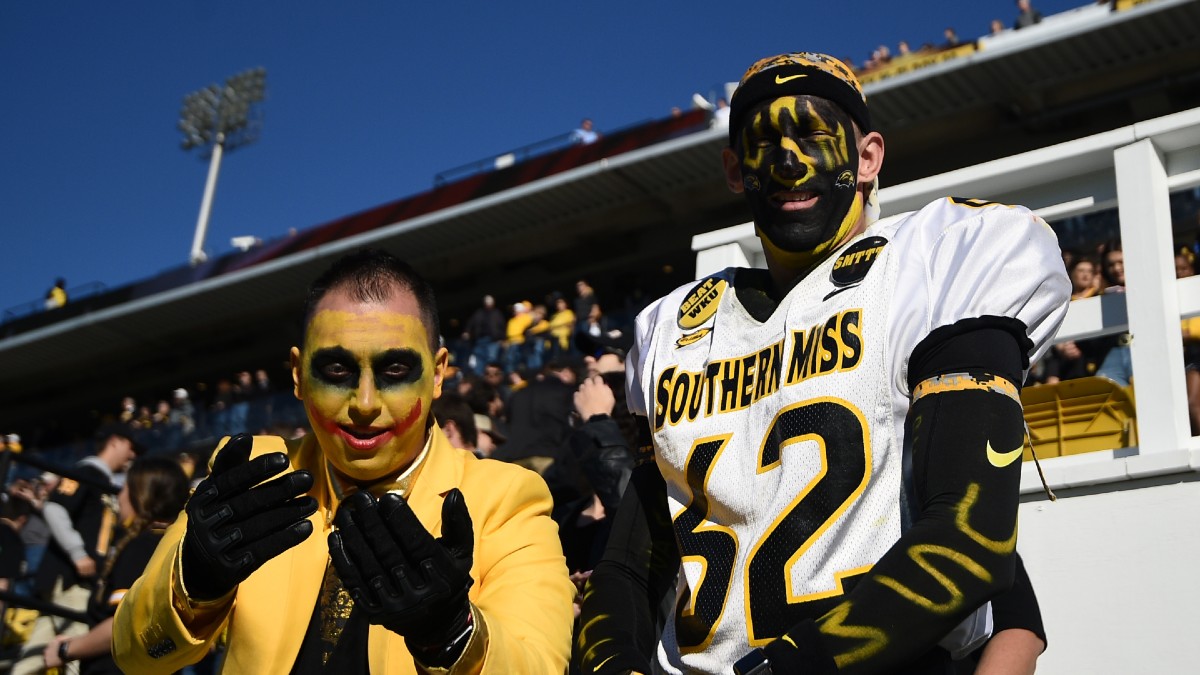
x: 367, y: 100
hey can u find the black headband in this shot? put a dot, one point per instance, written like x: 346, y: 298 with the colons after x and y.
x: 795, y: 80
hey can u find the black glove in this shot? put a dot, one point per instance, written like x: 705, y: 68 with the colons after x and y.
x: 234, y: 527
x: 399, y: 575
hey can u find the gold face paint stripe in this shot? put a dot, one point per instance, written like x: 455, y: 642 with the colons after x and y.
x: 966, y: 382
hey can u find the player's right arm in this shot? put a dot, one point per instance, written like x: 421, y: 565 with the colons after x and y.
x: 619, y: 617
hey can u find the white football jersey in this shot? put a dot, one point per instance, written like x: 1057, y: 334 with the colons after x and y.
x: 781, y: 440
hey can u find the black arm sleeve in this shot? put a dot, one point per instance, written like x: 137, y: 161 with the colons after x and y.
x: 604, y: 457
x: 963, y: 438
x: 1018, y: 608
x: 619, y: 618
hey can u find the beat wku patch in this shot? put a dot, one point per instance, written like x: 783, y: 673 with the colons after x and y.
x: 701, y: 304
x: 854, y: 263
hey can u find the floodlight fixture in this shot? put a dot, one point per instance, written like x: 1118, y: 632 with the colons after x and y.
x: 219, y: 119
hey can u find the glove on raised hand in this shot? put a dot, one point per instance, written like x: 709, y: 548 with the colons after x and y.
x: 235, y: 525
x: 399, y: 575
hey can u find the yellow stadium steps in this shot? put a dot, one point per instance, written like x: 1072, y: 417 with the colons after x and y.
x: 1077, y: 416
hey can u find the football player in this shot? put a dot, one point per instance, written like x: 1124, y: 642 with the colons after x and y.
x: 832, y: 479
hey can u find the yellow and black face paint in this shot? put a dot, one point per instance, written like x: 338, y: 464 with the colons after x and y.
x: 799, y: 163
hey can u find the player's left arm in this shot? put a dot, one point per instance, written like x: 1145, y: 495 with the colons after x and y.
x: 964, y: 435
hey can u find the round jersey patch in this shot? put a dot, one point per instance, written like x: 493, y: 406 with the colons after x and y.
x: 852, y: 265
x: 701, y: 303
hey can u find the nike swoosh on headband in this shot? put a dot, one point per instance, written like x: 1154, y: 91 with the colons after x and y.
x: 780, y: 79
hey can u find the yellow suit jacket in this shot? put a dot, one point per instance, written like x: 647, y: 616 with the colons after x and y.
x: 521, y: 598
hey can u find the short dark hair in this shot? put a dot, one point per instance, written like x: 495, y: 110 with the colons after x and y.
x: 374, y: 274
x: 158, y: 488
x: 453, y: 408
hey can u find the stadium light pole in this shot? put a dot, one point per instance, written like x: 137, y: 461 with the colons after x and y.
x: 220, y: 119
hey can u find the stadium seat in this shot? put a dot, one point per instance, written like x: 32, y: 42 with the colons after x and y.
x: 1078, y: 416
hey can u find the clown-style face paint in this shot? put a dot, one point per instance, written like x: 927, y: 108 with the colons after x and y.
x: 367, y: 378
x: 799, y: 166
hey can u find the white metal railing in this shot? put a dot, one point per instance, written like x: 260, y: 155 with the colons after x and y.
x: 1134, y: 169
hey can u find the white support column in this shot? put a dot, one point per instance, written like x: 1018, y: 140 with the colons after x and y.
x: 723, y: 248
x: 1152, y: 299
x: 716, y: 259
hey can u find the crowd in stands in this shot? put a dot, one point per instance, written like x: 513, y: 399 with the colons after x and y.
x: 882, y: 55
x: 565, y: 419
x: 1100, y: 272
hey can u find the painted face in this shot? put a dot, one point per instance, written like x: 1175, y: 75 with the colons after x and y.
x: 799, y: 169
x: 367, y: 378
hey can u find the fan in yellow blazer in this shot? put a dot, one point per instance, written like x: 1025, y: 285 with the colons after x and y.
x: 520, y: 599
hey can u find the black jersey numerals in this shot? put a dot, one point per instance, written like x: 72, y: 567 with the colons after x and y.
x: 702, y: 541
x: 771, y: 607
x: 841, y: 434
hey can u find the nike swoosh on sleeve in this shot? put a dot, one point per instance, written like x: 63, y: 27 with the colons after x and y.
x: 1002, y: 459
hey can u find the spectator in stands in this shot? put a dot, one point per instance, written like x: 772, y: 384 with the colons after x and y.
x: 584, y: 135
x: 1082, y: 271
x: 35, y: 533
x: 152, y: 498
x: 128, y: 410
x: 14, y: 513
x: 485, y: 402
x: 537, y: 338
x: 997, y: 27
x: 585, y: 297
x: 514, y: 343
x: 219, y: 409
x: 259, y: 416
x: 57, y: 295
x: 720, y: 118
x: 605, y: 353
x: 488, y: 436
x: 1118, y: 363
x: 562, y: 327
x: 183, y: 415
x: 457, y: 421
x: 485, y: 329
x: 493, y: 374
x: 1112, y: 267
x: 1026, y: 15
x: 903, y: 49
x: 1073, y: 359
x: 951, y: 36
x: 81, y: 515
x: 239, y: 409
x: 597, y: 325
x: 539, y: 420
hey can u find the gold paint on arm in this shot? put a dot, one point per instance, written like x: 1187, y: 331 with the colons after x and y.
x: 962, y: 521
x: 872, y: 639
